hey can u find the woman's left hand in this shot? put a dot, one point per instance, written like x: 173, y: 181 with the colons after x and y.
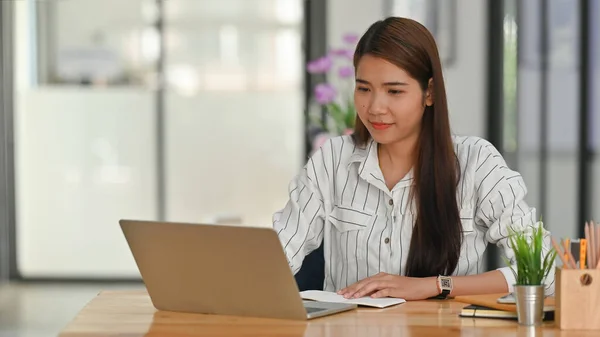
x: 388, y: 285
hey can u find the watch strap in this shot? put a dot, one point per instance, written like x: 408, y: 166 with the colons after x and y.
x: 444, y: 287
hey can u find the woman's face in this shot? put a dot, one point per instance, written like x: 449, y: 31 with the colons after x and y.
x: 389, y: 102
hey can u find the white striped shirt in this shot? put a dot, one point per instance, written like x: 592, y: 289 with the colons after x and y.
x: 340, y: 198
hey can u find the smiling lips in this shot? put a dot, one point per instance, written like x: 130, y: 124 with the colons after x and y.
x: 380, y: 126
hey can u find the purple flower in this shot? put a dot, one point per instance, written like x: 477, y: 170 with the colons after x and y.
x: 324, y: 93
x: 342, y: 52
x: 320, y: 65
x: 349, y: 54
x: 346, y: 71
x: 337, y: 52
x: 350, y: 38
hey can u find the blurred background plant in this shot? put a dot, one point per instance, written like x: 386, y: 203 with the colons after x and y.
x: 334, y: 114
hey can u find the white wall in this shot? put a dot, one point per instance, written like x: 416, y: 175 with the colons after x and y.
x: 86, y: 156
x: 351, y: 16
x: 465, y: 78
x: 86, y: 159
x: 23, y: 71
x: 232, y: 156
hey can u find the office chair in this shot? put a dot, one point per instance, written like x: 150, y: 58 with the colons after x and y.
x: 312, y: 273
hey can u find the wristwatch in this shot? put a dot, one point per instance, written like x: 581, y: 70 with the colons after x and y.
x: 444, y: 284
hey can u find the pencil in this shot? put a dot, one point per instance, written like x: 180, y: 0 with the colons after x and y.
x: 567, y: 245
x: 590, y: 245
x: 583, y: 251
x: 572, y: 260
x: 560, y: 254
x: 595, y: 238
x: 591, y: 229
x: 596, y: 233
x: 597, y: 244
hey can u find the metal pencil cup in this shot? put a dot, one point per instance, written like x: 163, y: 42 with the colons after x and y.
x: 530, y: 304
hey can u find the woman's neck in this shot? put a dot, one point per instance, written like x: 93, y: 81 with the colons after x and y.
x: 396, y: 160
x: 401, y: 153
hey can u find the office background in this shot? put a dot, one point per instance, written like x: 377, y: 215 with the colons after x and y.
x: 178, y: 110
x: 182, y: 110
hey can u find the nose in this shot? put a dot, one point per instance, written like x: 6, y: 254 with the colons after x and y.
x: 378, y: 105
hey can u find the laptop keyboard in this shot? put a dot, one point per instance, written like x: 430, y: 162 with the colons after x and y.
x: 311, y: 310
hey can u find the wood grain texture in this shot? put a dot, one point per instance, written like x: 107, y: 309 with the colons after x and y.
x: 130, y: 313
x: 578, y: 299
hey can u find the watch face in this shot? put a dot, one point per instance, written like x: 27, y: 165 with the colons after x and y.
x: 446, y: 283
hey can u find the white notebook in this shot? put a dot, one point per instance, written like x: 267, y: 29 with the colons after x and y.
x: 327, y: 296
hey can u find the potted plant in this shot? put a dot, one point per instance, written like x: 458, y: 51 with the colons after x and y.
x: 532, y: 268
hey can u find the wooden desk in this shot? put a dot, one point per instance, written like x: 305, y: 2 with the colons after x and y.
x: 130, y: 313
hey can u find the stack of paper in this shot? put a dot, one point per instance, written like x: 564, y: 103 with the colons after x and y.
x: 327, y: 296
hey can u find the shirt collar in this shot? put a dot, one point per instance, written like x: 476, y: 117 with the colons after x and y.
x: 369, y: 168
x: 364, y: 155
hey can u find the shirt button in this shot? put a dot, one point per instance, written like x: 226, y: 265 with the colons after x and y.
x: 394, y: 217
x: 391, y: 202
x: 387, y: 240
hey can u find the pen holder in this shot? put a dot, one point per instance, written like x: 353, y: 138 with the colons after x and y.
x: 577, y: 299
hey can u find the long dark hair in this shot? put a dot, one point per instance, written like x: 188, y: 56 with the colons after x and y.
x: 437, y: 235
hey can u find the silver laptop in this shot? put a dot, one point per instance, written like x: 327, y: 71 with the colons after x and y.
x: 218, y: 269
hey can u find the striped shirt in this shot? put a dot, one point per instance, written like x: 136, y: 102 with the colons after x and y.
x: 340, y: 199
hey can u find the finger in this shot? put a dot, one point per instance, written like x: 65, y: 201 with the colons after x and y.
x: 372, y: 287
x: 354, y: 288
x: 350, y: 290
x: 346, y: 290
x: 386, y: 292
x: 366, y: 289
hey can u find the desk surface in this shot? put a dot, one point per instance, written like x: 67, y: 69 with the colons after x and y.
x: 130, y: 313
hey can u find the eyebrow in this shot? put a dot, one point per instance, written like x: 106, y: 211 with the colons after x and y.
x: 358, y: 80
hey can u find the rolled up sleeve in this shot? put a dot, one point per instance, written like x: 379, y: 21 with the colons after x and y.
x: 501, y: 207
x: 300, y: 224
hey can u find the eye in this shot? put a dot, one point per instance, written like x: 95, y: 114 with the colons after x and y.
x: 364, y: 89
x: 395, y: 92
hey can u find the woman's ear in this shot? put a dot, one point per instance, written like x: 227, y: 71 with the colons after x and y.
x: 429, y: 93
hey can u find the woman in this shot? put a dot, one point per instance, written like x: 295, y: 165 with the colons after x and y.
x: 404, y: 208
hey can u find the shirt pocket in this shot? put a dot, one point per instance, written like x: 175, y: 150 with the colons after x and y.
x: 346, y: 219
x: 350, y: 231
